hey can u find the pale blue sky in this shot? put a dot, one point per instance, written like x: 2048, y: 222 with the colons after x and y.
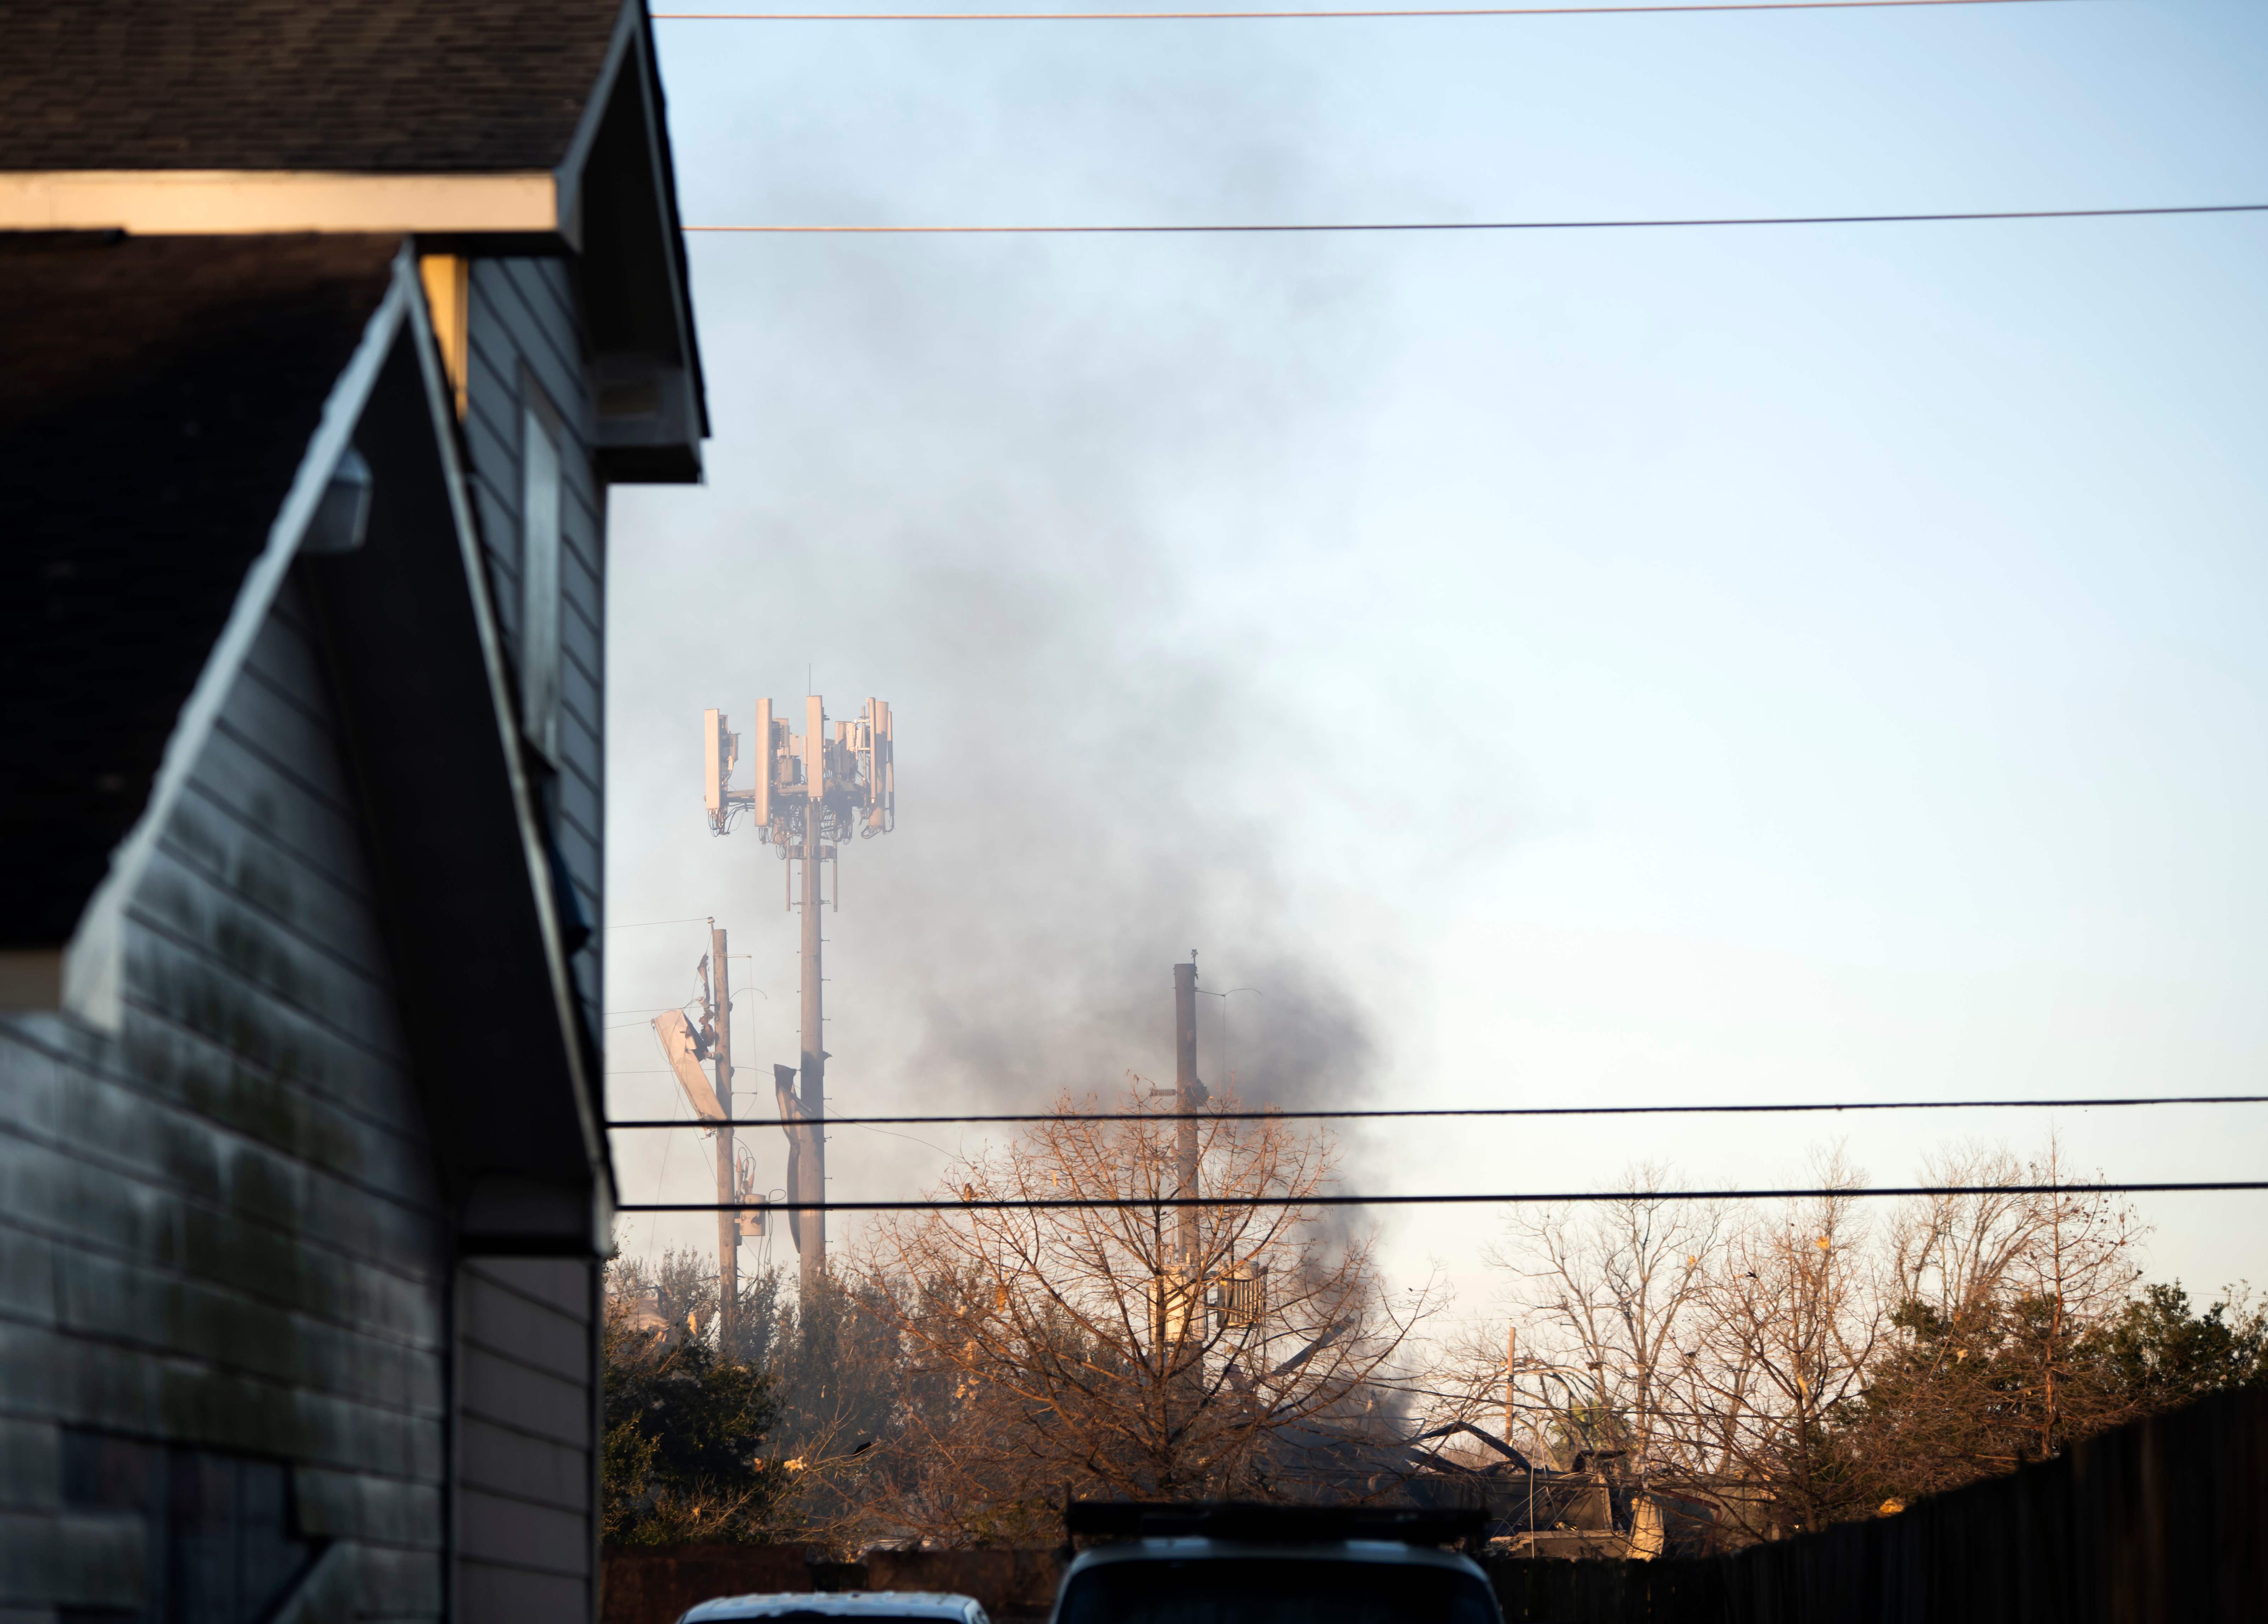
x: 1614, y: 666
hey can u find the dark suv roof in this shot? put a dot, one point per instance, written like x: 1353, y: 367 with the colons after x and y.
x: 353, y: 85
x: 1272, y: 1523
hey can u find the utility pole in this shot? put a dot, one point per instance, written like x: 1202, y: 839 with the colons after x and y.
x: 1188, y: 1094
x: 728, y: 1220
x: 1510, y: 1356
x: 811, y: 1248
x: 808, y: 787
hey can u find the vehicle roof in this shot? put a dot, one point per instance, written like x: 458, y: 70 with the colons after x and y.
x: 1391, y: 1552
x: 837, y: 1604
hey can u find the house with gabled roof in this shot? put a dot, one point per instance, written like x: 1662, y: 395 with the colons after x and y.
x: 327, y: 326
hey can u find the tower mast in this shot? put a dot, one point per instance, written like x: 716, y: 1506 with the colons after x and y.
x: 812, y: 1240
x: 1188, y: 1094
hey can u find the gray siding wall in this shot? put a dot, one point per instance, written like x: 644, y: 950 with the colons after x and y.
x: 220, y: 1230
x: 528, y: 1338
x: 524, y: 325
x: 527, y: 1415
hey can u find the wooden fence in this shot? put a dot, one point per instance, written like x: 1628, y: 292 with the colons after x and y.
x: 2163, y: 1522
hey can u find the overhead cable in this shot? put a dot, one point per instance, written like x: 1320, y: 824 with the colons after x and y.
x: 1471, y: 225
x: 1143, y: 1203
x: 1264, y: 1115
x: 1192, y: 16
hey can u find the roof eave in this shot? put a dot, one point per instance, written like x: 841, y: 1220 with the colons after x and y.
x: 220, y: 203
x: 618, y: 182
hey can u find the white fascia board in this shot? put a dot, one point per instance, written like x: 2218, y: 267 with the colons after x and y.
x: 441, y: 404
x: 93, y: 966
x: 223, y: 203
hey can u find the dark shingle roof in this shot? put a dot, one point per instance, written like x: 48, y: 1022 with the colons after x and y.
x: 159, y: 397
x: 356, y: 85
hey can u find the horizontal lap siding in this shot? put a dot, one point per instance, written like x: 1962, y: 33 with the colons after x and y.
x: 525, y: 1436
x: 527, y: 1343
x: 221, y: 1229
x: 525, y: 322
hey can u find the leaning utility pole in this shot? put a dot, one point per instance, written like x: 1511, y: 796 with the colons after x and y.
x: 728, y: 1220
x: 808, y: 787
x: 739, y: 1211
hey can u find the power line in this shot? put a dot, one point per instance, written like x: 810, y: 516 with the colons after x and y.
x: 1472, y: 225
x: 1760, y: 1109
x: 1189, y: 16
x: 1131, y: 1203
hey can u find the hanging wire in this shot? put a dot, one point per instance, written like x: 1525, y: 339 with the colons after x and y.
x: 1480, y: 226
x: 1445, y: 11
x: 1423, y: 1112
x: 1526, y: 1198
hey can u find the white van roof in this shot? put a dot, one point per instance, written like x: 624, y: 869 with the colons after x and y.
x: 842, y: 1604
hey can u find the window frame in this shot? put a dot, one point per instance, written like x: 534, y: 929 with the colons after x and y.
x: 543, y: 547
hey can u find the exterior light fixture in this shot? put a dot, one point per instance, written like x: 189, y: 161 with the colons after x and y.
x: 341, y: 520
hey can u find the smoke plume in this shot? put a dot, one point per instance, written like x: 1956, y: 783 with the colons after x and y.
x: 1032, y: 495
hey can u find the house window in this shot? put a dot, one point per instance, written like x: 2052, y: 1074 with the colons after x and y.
x: 538, y: 575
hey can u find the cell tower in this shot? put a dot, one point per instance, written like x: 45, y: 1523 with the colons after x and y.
x: 812, y: 789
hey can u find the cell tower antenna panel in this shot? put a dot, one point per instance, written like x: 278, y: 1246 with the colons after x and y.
x: 815, y: 750
x: 715, y: 774
x: 720, y: 752
x: 879, y: 786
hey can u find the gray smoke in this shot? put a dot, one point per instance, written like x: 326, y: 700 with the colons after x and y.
x: 1019, y: 491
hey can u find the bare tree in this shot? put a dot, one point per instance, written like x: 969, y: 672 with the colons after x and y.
x: 1797, y: 1365
x: 2078, y: 1273
x: 1084, y: 1347
x: 1956, y: 1252
x: 1604, y: 1300
x: 1786, y: 1335
x: 2000, y: 1306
